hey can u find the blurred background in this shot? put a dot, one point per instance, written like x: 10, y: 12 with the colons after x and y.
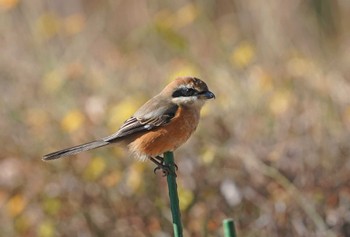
x: 272, y: 151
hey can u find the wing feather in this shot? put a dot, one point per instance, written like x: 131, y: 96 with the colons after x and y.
x: 154, y: 113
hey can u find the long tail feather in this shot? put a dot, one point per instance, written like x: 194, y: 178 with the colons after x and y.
x: 75, y: 149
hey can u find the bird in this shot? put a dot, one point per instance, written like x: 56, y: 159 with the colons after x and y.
x: 162, y: 124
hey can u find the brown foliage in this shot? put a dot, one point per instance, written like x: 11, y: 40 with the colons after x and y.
x: 272, y: 151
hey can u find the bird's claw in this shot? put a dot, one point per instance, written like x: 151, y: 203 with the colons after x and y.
x: 166, y: 168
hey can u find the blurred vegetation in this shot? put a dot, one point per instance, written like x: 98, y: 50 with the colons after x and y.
x: 272, y: 151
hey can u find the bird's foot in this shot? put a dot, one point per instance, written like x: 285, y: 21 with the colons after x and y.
x: 166, y: 168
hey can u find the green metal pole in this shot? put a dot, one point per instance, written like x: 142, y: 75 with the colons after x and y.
x: 174, y: 198
x: 229, y: 228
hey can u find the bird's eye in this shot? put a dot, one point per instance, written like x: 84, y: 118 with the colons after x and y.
x: 189, y: 92
x: 184, y: 92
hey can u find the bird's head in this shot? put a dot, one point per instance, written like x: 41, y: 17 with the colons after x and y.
x: 188, y: 91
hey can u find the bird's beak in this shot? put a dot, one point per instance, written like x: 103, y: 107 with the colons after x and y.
x: 208, y: 95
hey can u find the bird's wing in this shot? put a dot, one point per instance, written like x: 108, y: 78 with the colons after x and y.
x: 155, y: 113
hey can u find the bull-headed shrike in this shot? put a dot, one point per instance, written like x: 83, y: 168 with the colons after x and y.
x: 162, y: 124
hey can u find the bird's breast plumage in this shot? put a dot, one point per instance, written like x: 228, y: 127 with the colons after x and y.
x: 168, y: 137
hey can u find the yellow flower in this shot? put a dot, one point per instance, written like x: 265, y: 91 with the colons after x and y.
x: 95, y: 168
x: 72, y: 121
x: 16, y: 205
x: 243, y: 55
x: 8, y: 4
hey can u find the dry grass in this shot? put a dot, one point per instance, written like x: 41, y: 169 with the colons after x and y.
x: 272, y: 151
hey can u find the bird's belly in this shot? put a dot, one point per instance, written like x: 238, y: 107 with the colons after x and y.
x: 168, y: 137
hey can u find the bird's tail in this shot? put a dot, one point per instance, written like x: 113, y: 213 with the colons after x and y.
x: 75, y: 149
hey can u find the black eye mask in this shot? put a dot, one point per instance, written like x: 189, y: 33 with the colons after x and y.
x: 184, y: 92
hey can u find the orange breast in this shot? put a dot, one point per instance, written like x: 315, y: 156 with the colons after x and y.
x: 168, y: 137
